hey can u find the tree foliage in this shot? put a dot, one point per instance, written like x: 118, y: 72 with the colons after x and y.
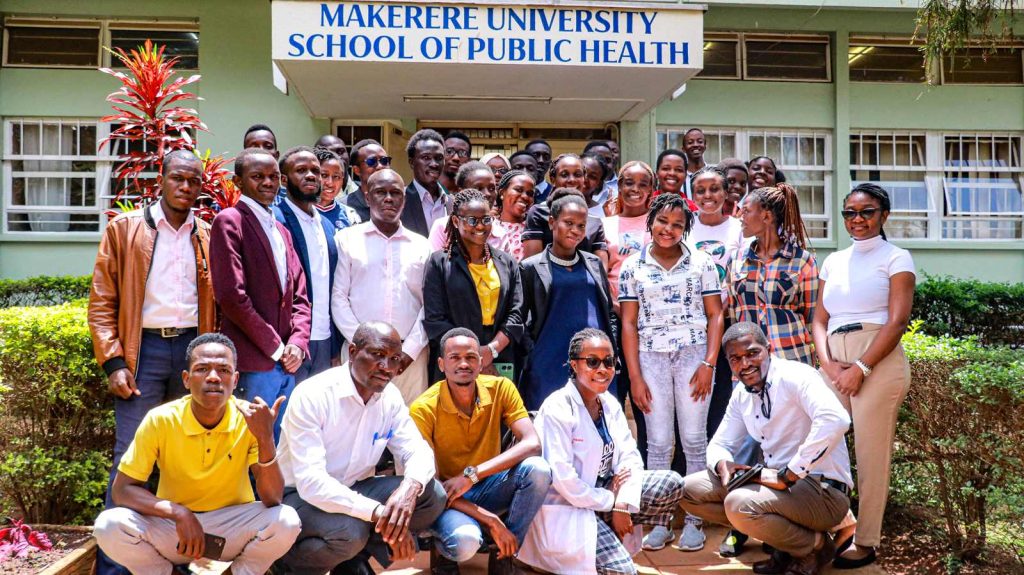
x: 949, y: 26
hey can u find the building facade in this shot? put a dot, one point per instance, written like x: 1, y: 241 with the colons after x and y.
x: 835, y: 94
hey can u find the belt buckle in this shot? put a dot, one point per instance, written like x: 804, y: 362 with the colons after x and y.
x: 169, y: 332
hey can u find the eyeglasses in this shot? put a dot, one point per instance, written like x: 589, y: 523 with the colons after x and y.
x: 866, y: 213
x: 594, y: 362
x: 459, y: 153
x: 382, y: 160
x: 474, y: 221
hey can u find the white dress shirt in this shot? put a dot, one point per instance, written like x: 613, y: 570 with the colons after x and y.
x: 319, y: 270
x: 172, y: 294
x: 805, y: 431
x: 573, y: 448
x: 269, y: 225
x: 330, y: 440
x: 381, y: 278
x: 433, y: 210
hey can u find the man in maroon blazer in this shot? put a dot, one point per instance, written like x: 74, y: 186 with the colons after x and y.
x: 259, y: 284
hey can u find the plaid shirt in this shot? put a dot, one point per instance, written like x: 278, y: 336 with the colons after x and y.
x: 779, y: 295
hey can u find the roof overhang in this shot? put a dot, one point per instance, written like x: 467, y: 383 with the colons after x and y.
x: 548, y: 61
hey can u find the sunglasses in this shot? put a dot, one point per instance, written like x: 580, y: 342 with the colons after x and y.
x: 473, y: 221
x: 382, y: 160
x: 594, y: 362
x: 866, y: 213
x: 454, y: 152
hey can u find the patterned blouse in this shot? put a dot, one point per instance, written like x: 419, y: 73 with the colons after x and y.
x: 779, y: 295
x: 512, y: 241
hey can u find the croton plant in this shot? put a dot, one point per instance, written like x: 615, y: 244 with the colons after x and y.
x: 18, y: 540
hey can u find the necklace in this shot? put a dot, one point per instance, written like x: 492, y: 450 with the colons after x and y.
x: 564, y: 263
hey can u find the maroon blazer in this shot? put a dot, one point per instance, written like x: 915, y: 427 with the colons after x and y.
x: 255, y: 314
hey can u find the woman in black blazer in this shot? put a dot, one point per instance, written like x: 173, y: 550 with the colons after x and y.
x: 472, y: 285
x: 565, y: 290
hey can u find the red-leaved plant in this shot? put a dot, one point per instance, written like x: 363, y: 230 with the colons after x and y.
x: 18, y: 540
x: 150, y: 125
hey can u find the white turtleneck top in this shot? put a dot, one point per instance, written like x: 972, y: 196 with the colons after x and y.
x: 857, y: 281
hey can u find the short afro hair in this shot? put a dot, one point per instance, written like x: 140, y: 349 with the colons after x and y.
x: 425, y: 135
x: 212, y: 337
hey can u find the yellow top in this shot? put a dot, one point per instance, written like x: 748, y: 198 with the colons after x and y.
x: 202, y: 469
x: 488, y: 288
x: 459, y: 441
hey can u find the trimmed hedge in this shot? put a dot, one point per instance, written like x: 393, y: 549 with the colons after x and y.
x: 43, y: 290
x: 993, y: 312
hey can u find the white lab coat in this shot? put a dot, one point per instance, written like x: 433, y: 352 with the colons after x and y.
x: 563, y: 536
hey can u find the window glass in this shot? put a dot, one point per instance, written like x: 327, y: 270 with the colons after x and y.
x: 883, y: 63
x: 982, y: 66
x: 46, y: 46
x: 183, y: 45
x: 786, y: 60
x: 721, y: 57
x: 982, y: 177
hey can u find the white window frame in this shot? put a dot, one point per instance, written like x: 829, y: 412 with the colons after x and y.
x: 743, y: 150
x: 928, y: 183
x: 102, y: 175
x: 103, y: 27
x: 939, y: 170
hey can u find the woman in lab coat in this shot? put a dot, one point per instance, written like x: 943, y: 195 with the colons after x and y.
x: 601, y: 494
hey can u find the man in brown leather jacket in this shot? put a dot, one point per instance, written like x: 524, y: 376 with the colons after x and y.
x: 151, y: 295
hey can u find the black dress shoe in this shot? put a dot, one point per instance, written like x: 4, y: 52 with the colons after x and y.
x: 732, y: 545
x: 814, y: 562
x: 358, y: 565
x: 774, y: 565
x: 841, y: 562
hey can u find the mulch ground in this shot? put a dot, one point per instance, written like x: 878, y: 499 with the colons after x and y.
x: 63, y: 544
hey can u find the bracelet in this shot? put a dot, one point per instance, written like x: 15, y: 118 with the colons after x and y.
x: 707, y: 363
x: 863, y: 367
x: 617, y: 510
x: 271, y: 462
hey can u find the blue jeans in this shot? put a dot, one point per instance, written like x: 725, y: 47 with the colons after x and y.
x: 158, y: 378
x: 518, y: 491
x: 268, y: 386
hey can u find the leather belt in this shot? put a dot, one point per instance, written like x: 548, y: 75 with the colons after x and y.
x: 848, y: 328
x: 169, y: 332
x: 837, y: 485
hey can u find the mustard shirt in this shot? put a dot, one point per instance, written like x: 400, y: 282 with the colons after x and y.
x: 488, y: 289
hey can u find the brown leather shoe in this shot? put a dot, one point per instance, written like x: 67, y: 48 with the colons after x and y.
x: 814, y: 562
x: 775, y: 564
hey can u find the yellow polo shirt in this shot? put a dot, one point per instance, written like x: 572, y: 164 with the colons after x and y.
x: 202, y: 469
x: 459, y: 441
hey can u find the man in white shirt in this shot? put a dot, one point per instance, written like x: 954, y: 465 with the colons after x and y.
x: 313, y: 237
x: 335, y: 432
x: 804, y: 489
x: 380, y: 277
x: 426, y: 200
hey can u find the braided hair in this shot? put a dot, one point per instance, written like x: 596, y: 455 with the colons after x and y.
x: 506, y: 181
x: 576, y: 344
x: 874, y: 191
x: 454, y: 240
x: 619, y: 207
x: 782, y: 201
x: 668, y: 203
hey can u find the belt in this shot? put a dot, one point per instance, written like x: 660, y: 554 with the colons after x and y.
x: 169, y: 332
x: 848, y: 328
x: 837, y: 485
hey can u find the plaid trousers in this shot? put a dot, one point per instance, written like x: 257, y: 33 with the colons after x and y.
x: 660, y: 494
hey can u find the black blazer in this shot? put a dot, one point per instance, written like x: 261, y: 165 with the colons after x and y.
x: 450, y: 299
x: 357, y: 201
x: 535, y: 272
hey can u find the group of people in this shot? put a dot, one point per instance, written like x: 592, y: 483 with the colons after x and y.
x: 487, y: 327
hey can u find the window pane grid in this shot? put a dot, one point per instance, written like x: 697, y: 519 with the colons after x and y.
x: 983, y: 186
x: 887, y: 151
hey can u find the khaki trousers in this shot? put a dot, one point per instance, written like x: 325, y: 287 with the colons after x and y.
x: 873, y: 410
x: 785, y: 519
x: 413, y: 380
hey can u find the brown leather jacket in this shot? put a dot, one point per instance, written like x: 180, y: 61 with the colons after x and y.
x: 119, y: 287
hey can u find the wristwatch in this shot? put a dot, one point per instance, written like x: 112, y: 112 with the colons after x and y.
x: 784, y: 477
x: 470, y: 473
x: 863, y: 367
x: 494, y: 350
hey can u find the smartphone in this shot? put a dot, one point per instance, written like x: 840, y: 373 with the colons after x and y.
x: 505, y: 369
x: 213, y: 547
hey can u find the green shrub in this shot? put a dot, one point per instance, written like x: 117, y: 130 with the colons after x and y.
x: 962, y: 431
x: 993, y: 312
x: 56, y: 417
x: 43, y: 290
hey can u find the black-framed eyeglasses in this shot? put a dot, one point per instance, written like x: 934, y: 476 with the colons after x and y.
x: 866, y: 213
x: 455, y: 152
x: 382, y: 160
x: 594, y: 362
x: 474, y: 221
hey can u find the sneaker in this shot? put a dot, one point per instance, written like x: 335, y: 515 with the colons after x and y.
x: 692, y: 538
x: 732, y: 545
x: 658, y: 538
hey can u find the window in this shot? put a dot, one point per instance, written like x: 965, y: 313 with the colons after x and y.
x: 721, y: 56
x: 885, y: 60
x: 804, y: 156
x: 981, y: 181
x: 78, y: 43
x: 50, y: 46
x: 895, y: 161
x: 786, y: 58
x: 981, y: 66
x: 54, y: 178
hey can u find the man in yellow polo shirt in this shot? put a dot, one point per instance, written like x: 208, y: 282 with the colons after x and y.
x: 205, y: 444
x: 461, y: 419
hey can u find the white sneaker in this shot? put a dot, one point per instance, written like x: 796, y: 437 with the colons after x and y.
x: 658, y: 538
x: 692, y: 538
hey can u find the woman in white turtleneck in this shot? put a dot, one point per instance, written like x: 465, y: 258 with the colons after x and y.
x: 867, y: 292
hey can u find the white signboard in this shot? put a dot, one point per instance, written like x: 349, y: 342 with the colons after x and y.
x: 586, y: 35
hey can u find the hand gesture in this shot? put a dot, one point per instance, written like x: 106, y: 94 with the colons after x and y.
x: 121, y: 383
x: 639, y: 393
x: 291, y: 359
x: 260, y: 417
x: 456, y: 487
x: 191, y: 541
x: 393, y: 523
x: 700, y: 383
x: 726, y: 469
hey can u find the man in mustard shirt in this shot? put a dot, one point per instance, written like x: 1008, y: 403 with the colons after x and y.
x: 205, y: 444
x: 461, y: 419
